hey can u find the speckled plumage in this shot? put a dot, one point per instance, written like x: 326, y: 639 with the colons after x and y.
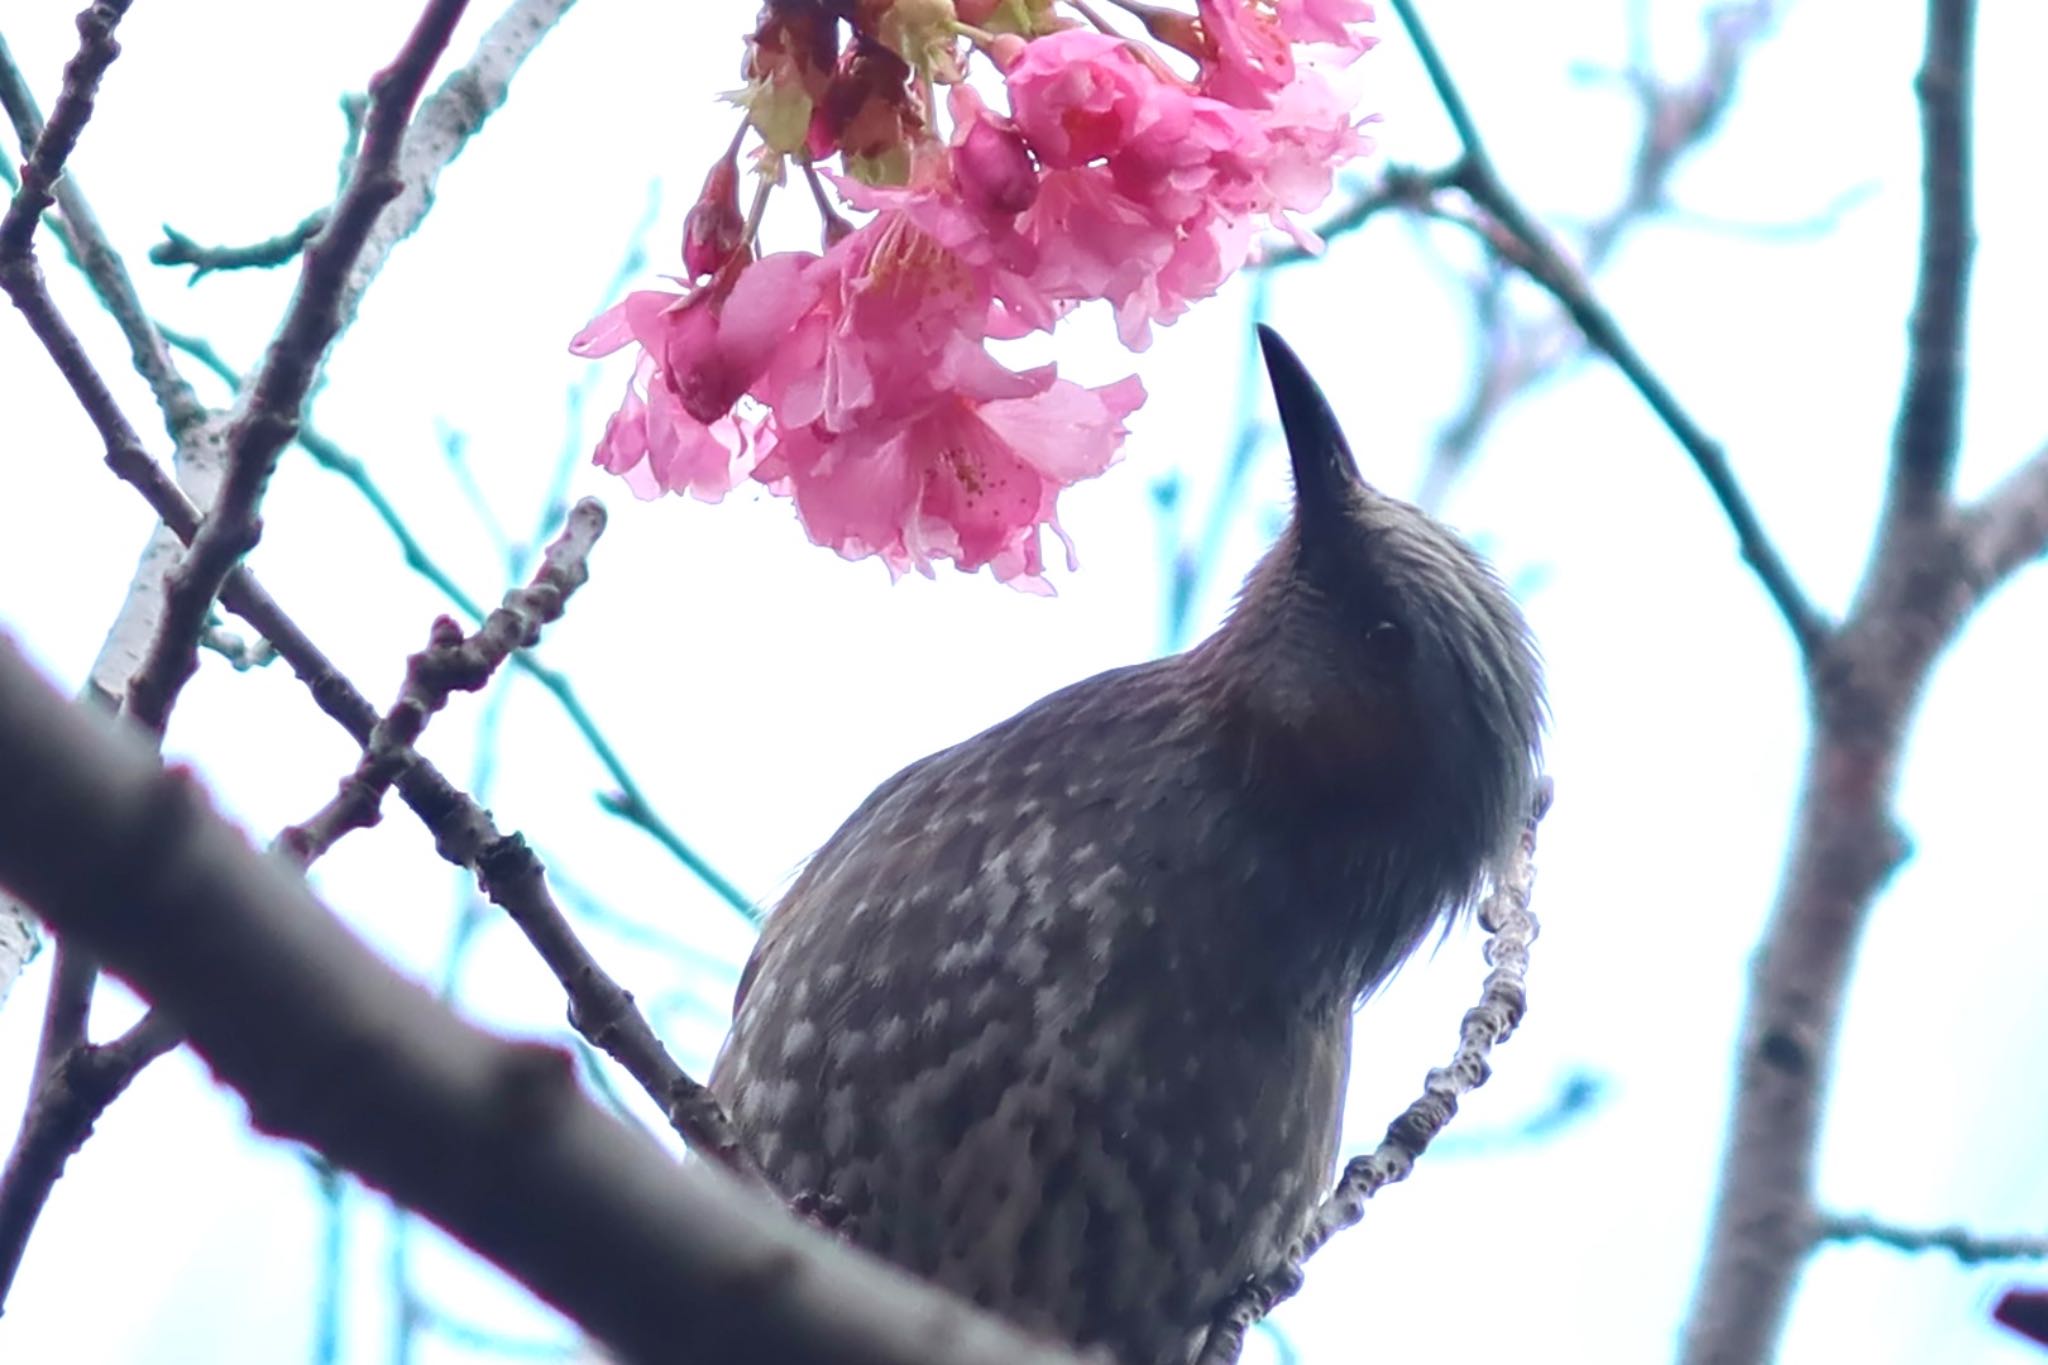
x: 1061, y: 1016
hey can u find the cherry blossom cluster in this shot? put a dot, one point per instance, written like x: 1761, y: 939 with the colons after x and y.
x: 1128, y: 167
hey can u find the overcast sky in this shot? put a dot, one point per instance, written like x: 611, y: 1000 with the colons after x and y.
x: 759, y: 687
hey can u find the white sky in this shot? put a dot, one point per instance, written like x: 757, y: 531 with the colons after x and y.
x: 759, y: 687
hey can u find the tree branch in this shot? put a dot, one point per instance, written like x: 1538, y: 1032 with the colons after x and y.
x: 464, y: 833
x: 269, y: 415
x: 630, y: 802
x: 492, y: 1140
x: 2025, y: 1311
x: 63, y: 1105
x: 1511, y: 928
x: 1925, y: 443
x: 2008, y: 526
x: 1929, y: 570
x: 53, y: 143
x: 447, y: 120
x: 1676, y: 119
x: 1521, y: 240
x: 450, y: 663
x: 1969, y: 1248
x: 178, y: 249
x: 82, y: 237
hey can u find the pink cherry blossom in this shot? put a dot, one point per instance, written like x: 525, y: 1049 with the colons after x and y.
x: 699, y: 354
x: 968, y: 481
x: 899, y: 320
x: 1249, y: 56
x: 859, y: 381
x: 1080, y: 96
x: 1312, y: 132
x: 1335, y: 22
x: 658, y: 448
x: 973, y: 222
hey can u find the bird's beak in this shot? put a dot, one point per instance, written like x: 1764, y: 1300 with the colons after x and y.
x: 1325, y: 474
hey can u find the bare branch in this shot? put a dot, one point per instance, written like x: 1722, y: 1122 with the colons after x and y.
x: 464, y: 833
x: 450, y: 663
x: 1676, y: 118
x: 1928, y: 572
x: 1925, y: 444
x: 1520, y: 239
x: 630, y: 801
x: 82, y: 237
x: 178, y: 249
x: 2008, y: 526
x: 269, y: 415
x: 71, y: 1091
x: 44, y: 163
x: 446, y: 121
x: 1969, y: 1248
x: 492, y: 1140
x: 240, y: 654
x: 1511, y: 928
x: 76, y: 1080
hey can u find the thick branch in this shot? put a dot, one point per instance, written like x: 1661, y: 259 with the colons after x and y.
x: 1523, y: 241
x: 1929, y: 571
x: 2025, y: 1311
x: 490, y: 1139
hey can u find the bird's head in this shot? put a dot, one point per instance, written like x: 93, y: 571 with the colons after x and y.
x: 1376, y: 659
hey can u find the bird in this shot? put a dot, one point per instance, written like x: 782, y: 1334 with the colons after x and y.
x: 1060, y: 1018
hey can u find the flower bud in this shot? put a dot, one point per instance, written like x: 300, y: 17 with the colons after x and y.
x: 994, y: 167
x: 714, y: 229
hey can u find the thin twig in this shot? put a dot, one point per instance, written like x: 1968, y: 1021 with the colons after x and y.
x: 450, y: 663
x: 630, y: 802
x: 1510, y: 927
x: 1926, y: 441
x: 1969, y: 1248
x: 511, y: 876
x: 1523, y: 241
x: 78, y: 230
x: 43, y: 164
x: 178, y: 249
x: 1675, y: 118
x: 63, y: 1105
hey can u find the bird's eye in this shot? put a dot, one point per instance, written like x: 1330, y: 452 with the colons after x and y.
x: 1388, y: 644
